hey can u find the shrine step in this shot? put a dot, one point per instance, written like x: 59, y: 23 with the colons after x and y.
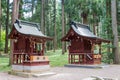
x: 86, y: 65
x: 44, y: 74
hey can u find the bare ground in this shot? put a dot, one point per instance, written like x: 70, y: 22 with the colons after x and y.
x: 66, y: 73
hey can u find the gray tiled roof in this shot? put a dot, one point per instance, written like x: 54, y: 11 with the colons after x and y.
x: 82, y: 30
x: 28, y: 28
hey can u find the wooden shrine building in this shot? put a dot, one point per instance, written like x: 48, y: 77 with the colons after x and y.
x: 28, y: 47
x: 82, y: 43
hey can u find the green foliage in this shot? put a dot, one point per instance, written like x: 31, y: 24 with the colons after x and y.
x: 57, y: 59
x: 4, y: 61
x: 2, y: 42
x: 107, y: 57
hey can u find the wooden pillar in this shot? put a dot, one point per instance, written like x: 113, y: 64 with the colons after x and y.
x: 100, y: 52
x: 93, y: 46
x: 84, y: 59
x: 92, y: 50
x: 79, y: 58
x: 93, y: 58
x: 20, y: 58
x: 13, y: 59
x: 74, y: 58
x: 99, y: 48
x: 31, y: 46
x: 43, y: 48
x: 69, y: 58
x: 17, y: 59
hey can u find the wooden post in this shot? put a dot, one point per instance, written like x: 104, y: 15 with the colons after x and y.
x: 99, y: 48
x: 69, y: 58
x: 31, y: 49
x: 17, y: 59
x: 43, y: 48
x: 100, y: 52
x: 74, y: 58
x: 92, y: 50
x: 13, y: 59
x: 84, y: 61
x: 79, y: 58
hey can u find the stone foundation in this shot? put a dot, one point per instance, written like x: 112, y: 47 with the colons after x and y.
x: 23, y: 68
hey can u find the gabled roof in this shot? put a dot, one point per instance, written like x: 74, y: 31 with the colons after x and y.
x: 83, y: 31
x: 29, y: 29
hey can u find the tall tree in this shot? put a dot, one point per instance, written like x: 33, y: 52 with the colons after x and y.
x: 108, y: 15
x: 15, y: 13
x: 7, y: 25
x: 115, y: 32
x: 32, y: 7
x: 109, y: 31
x: 118, y: 11
x: 63, y: 29
x: 20, y: 9
x: 15, y: 10
x: 0, y: 18
x: 55, y: 35
x: 84, y: 17
x: 43, y: 16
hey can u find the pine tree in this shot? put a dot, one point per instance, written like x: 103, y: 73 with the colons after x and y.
x: 115, y: 32
x: 15, y: 13
x: 0, y: 19
x: 63, y: 28
x: 7, y: 25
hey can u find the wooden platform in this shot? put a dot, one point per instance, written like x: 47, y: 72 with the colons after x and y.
x: 86, y: 66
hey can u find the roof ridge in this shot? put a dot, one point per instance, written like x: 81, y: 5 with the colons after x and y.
x: 81, y: 24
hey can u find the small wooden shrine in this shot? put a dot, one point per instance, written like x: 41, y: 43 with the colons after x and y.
x: 81, y: 45
x: 28, y: 47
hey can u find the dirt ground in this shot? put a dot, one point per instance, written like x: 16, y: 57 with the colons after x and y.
x: 68, y: 73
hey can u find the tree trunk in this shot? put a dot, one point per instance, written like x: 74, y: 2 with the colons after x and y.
x: 115, y: 32
x: 55, y: 35
x: 108, y: 14
x: 42, y: 17
x: 32, y: 8
x: 20, y: 9
x: 63, y: 31
x: 94, y: 24
x: 15, y: 11
x: 84, y: 17
x: 0, y: 19
x: 7, y: 25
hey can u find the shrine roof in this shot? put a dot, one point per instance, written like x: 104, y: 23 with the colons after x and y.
x: 83, y: 31
x: 29, y: 28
